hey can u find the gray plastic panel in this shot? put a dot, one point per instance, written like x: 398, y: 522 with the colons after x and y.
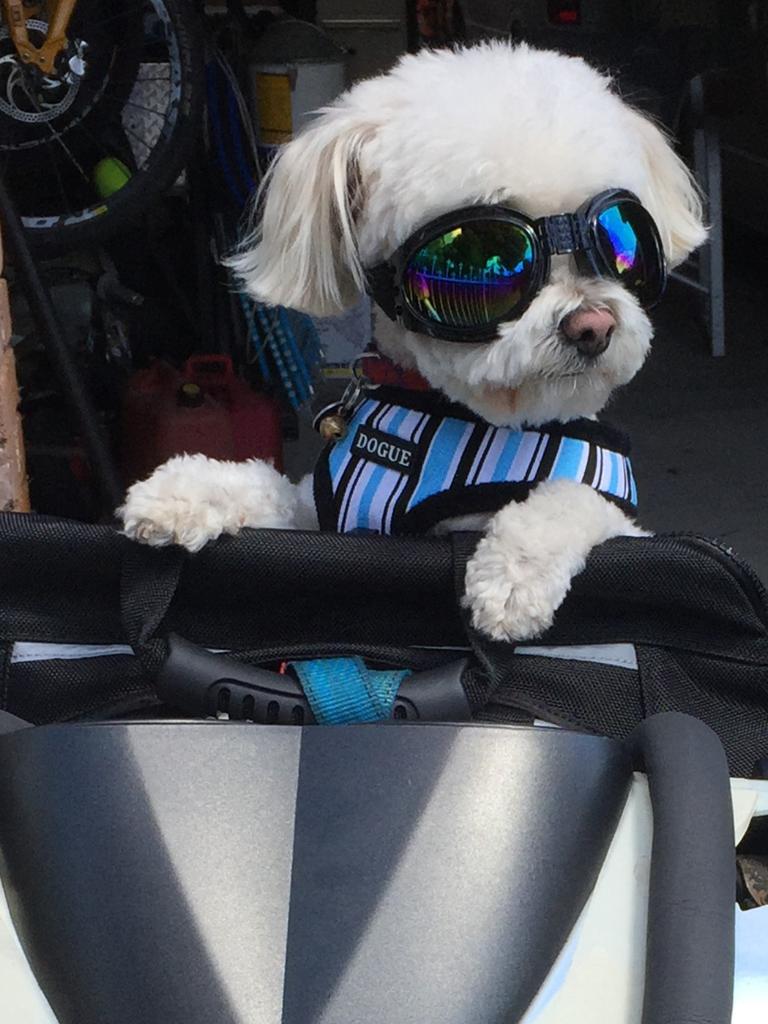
x: 210, y: 873
x: 150, y: 868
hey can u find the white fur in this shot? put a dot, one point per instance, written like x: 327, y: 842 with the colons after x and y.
x: 523, y: 567
x: 532, y: 129
x: 192, y: 499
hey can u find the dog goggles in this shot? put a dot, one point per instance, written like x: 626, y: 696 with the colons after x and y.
x: 460, y: 276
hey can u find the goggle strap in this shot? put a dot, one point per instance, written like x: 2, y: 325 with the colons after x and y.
x: 381, y: 287
x: 565, y: 233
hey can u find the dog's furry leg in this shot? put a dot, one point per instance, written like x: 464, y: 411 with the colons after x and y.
x: 523, y: 567
x: 192, y: 499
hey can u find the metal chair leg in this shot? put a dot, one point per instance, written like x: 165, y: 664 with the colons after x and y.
x: 707, y: 170
x: 714, y: 251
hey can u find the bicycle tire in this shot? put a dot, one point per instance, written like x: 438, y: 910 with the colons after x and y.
x: 168, y: 158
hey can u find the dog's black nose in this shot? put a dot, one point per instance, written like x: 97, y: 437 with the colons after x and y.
x: 590, y: 330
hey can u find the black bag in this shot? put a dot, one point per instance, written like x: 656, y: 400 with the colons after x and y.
x: 656, y: 624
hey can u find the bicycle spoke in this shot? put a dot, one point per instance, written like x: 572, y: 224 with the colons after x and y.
x: 60, y: 182
x: 135, y: 135
x: 57, y: 137
x: 101, y: 146
x: 131, y: 103
x: 123, y: 127
x: 71, y: 156
x: 149, y: 110
x: 128, y: 12
x: 132, y: 81
x: 33, y: 100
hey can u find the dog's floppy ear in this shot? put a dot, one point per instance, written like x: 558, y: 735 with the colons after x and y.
x: 302, y: 252
x: 673, y: 196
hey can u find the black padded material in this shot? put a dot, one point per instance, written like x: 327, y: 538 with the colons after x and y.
x: 697, y: 617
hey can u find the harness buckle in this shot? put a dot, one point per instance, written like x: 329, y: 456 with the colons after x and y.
x: 331, y: 422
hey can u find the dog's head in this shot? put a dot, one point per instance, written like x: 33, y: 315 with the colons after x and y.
x: 533, y: 130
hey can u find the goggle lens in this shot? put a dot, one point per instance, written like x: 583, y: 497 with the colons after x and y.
x: 472, y: 275
x: 626, y: 239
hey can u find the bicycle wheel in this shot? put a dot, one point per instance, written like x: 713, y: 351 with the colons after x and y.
x: 87, y: 150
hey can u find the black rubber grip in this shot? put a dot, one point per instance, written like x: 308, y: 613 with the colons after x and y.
x: 691, y: 914
x: 205, y: 684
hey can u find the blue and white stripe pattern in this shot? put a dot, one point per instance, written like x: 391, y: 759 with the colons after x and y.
x: 372, y: 490
x: 453, y: 455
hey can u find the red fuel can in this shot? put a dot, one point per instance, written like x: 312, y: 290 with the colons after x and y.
x: 204, y: 408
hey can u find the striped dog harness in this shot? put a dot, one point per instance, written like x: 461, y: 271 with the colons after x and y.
x: 410, y: 460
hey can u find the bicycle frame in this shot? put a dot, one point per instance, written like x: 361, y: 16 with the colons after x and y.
x: 16, y: 12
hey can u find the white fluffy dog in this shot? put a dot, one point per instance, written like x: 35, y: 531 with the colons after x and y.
x: 531, y: 130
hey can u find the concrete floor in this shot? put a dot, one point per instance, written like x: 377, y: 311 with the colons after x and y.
x: 699, y: 426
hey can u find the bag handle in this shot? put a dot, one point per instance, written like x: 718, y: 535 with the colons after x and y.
x: 296, y: 572
x: 690, y: 932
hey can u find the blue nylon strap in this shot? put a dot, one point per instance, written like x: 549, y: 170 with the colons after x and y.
x: 343, y: 690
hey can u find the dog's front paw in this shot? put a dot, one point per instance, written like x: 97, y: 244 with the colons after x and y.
x: 510, y: 593
x: 154, y: 515
x: 522, y: 569
x: 156, y: 520
x: 193, y: 499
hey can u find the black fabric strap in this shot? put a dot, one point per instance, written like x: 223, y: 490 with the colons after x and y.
x: 148, y: 583
x: 5, y: 668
